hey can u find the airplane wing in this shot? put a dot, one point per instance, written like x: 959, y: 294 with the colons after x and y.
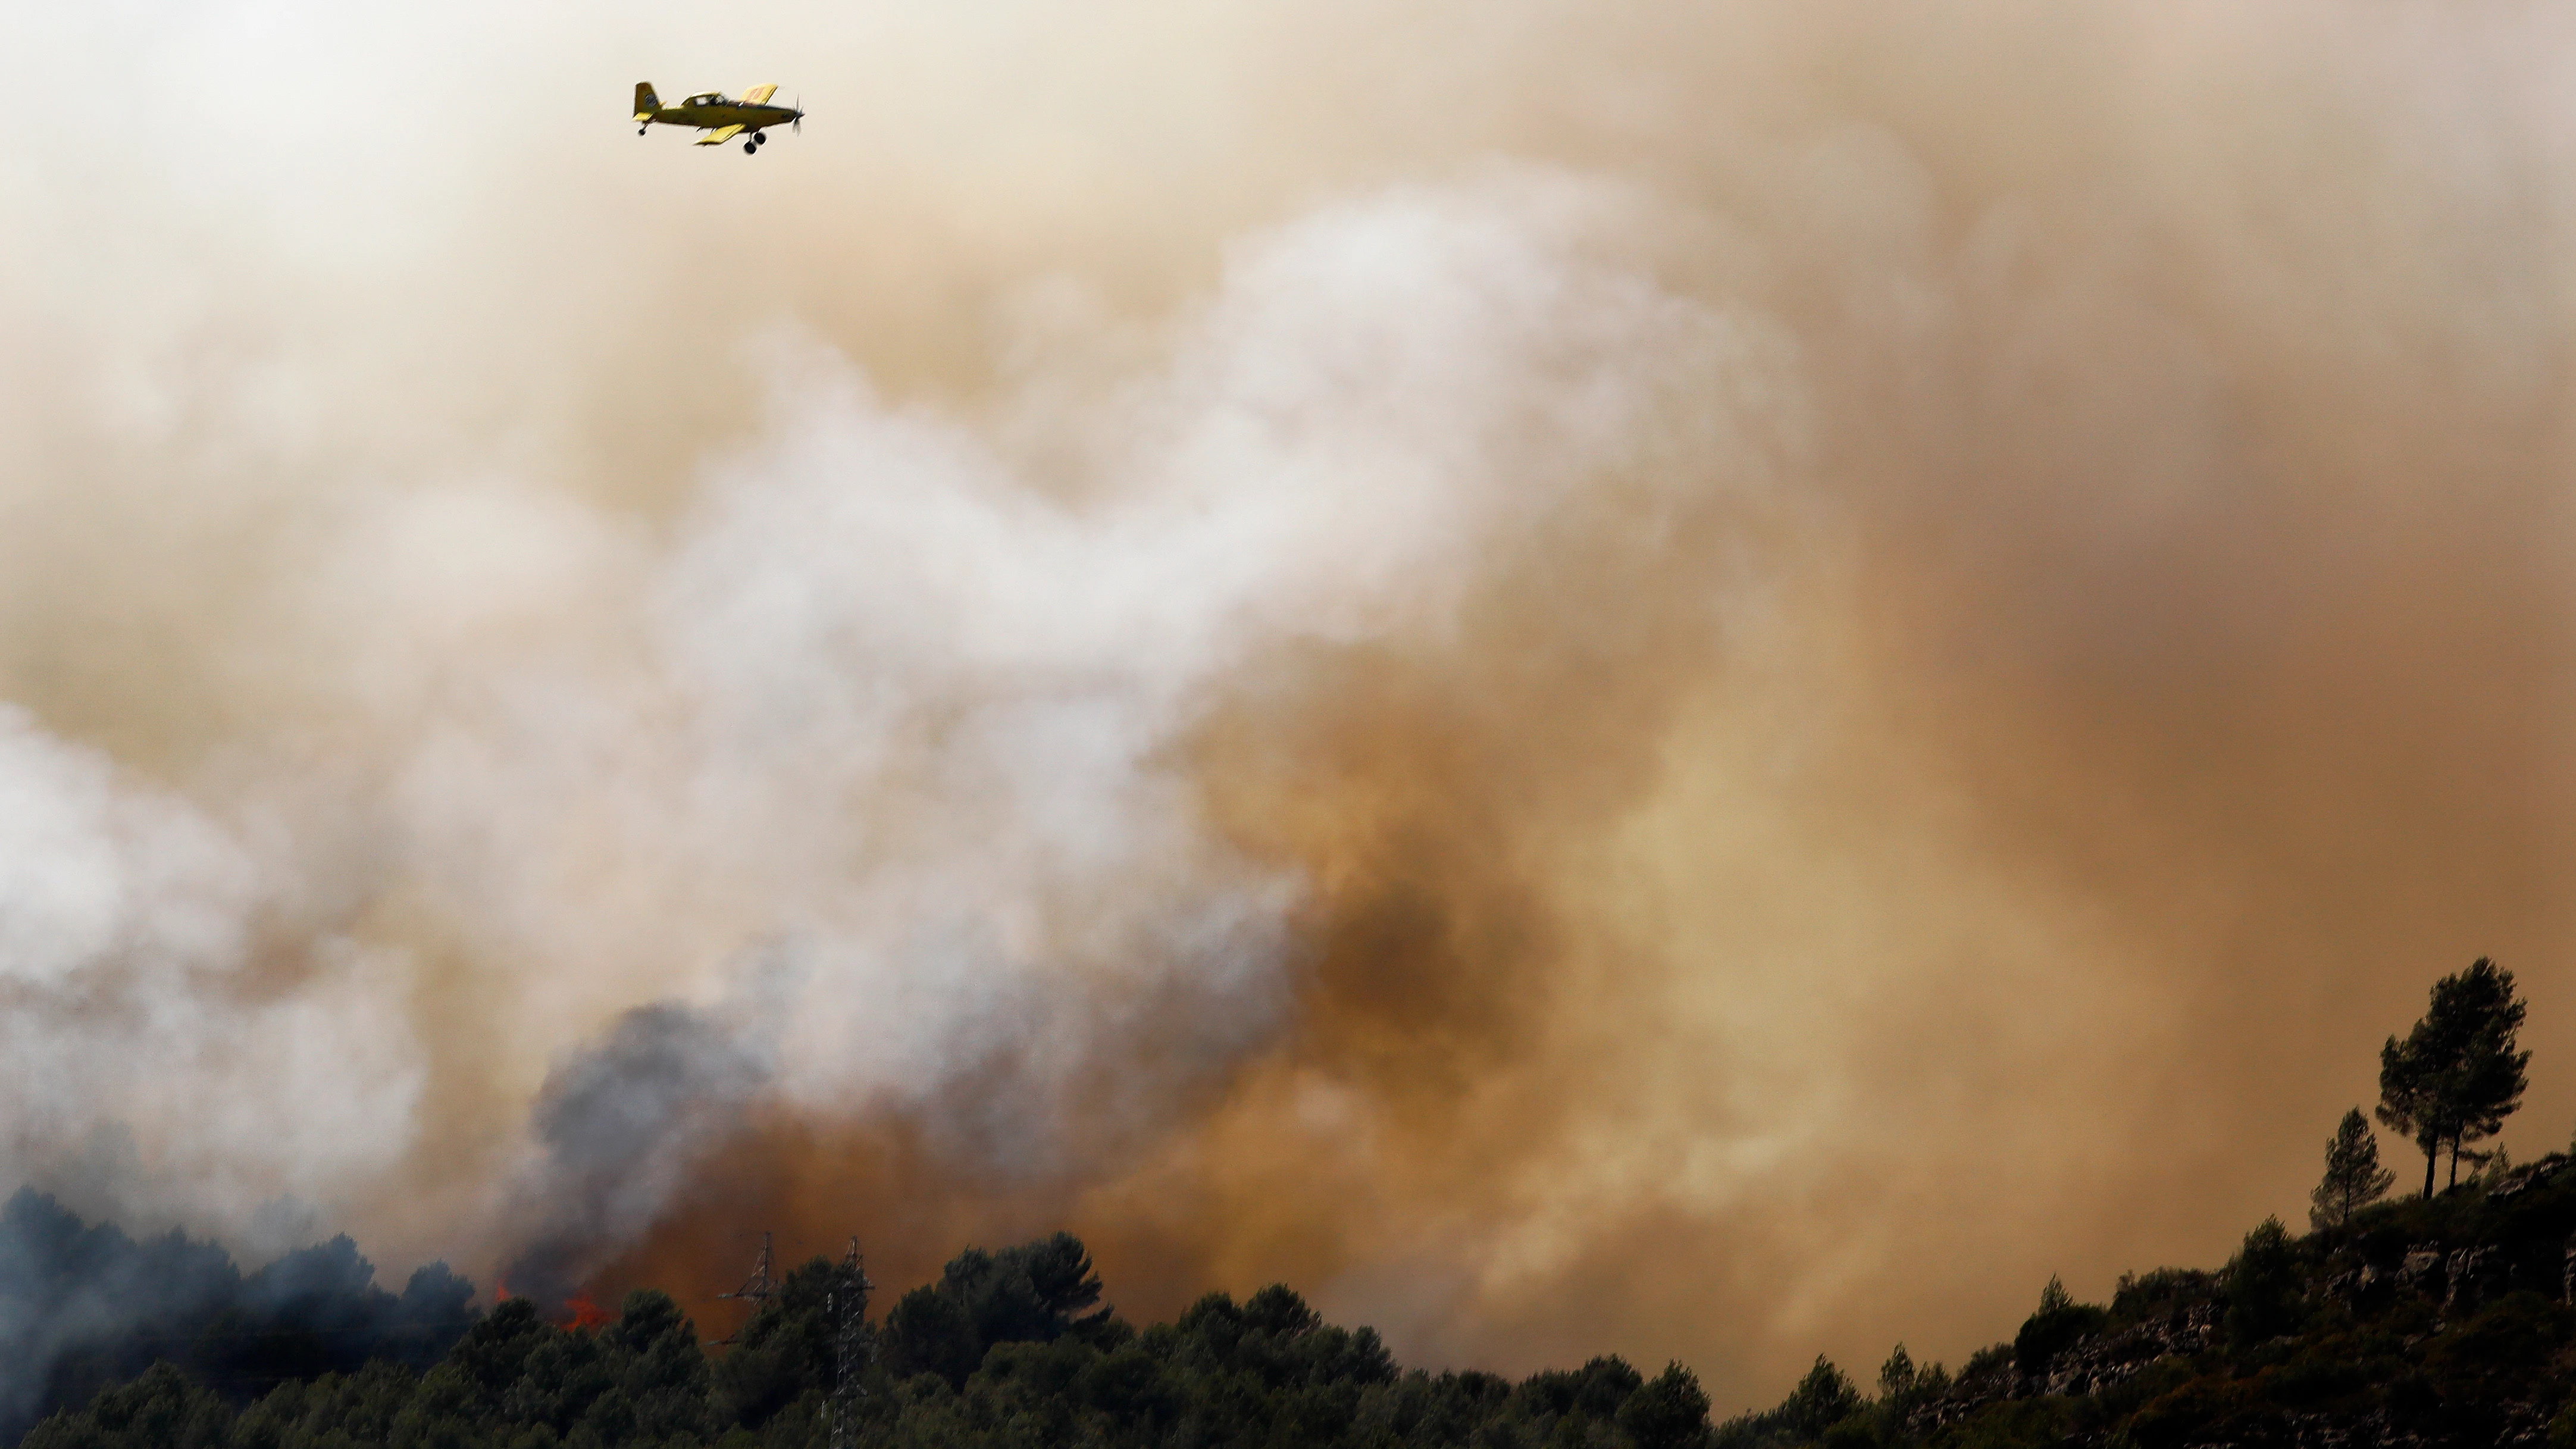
x: 758, y: 95
x: 719, y: 135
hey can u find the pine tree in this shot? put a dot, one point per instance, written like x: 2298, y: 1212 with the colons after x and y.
x: 1896, y: 1377
x: 2491, y: 1075
x: 1669, y: 1412
x: 2410, y: 1095
x: 2456, y: 1076
x: 2354, y: 1179
x: 1821, y: 1400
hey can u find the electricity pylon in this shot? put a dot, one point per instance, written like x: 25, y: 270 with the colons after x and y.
x: 760, y: 1287
x: 850, y: 1342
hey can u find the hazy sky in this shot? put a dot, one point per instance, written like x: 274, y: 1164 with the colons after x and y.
x: 1703, y: 681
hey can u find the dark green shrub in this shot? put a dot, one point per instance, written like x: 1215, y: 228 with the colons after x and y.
x: 2263, y: 1286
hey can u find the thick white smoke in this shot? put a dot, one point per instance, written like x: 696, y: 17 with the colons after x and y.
x: 147, y: 1069
x: 869, y: 761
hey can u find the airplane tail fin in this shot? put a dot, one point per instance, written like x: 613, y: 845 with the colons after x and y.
x: 646, y: 103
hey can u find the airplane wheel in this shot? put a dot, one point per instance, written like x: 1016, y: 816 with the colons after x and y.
x: 749, y: 147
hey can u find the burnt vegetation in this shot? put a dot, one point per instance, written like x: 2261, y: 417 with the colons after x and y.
x: 2439, y: 1318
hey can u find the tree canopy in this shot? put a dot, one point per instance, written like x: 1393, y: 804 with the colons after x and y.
x: 1034, y: 1293
x: 2457, y: 1075
x: 1264, y: 1373
x: 2353, y: 1179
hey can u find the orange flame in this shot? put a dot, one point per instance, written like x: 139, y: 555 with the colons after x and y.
x: 585, y: 1314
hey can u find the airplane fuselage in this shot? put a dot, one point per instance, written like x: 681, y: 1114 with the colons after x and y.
x: 708, y: 118
x: 718, y: 116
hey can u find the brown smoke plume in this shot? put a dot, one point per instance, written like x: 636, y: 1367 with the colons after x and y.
x: 1696, y: 681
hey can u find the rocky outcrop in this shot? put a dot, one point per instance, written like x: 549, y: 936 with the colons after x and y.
x: 2471, y: 1277
x: 2095, y: 1364
x: 2421, y: 1270
x: 2087, y: 1366
x: 2433, y: 1284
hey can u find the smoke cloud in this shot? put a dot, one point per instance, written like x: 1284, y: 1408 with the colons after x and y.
x: 1697, y: 683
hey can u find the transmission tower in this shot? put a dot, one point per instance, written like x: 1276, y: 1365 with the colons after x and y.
x: 850, y: 1341
x: 759, y: 1288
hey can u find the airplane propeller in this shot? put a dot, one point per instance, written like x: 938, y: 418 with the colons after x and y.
x: 797, y: 122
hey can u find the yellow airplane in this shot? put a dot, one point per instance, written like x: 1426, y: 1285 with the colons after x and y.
x: 721, y: 119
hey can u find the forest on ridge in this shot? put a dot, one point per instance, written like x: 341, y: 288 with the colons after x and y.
x: 2442, y: 1316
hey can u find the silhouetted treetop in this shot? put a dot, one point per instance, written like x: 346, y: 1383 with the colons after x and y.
x: 2457, y: 1075
x: 2353, y: 1178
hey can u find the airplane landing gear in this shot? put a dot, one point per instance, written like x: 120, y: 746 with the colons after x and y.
x: 750, y: 148
x: 640, y: 130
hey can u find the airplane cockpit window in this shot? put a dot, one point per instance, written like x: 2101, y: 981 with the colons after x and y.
x: 711, y: 98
